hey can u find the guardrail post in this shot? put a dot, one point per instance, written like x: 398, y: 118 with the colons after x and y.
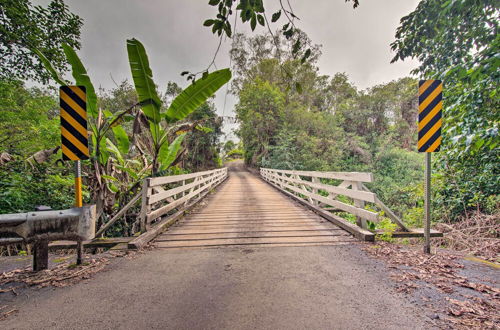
x: 40, y: 255
x: 79, y: 252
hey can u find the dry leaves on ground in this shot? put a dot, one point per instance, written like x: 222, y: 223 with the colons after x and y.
x: 60, y: 275
x: 412, y: 267
x: 476, y: 234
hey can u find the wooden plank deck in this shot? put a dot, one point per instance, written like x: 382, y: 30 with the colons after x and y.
x: 246, y: 211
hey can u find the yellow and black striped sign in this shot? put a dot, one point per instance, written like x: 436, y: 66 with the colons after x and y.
x: 74, y: 137
x: 430, y: 99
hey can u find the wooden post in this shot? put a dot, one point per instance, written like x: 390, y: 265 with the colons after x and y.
x: 40, y: 255
x: 357, y: 185
x: 315, y: 190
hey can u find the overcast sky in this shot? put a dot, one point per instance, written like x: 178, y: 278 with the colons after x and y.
x: 354, y: 41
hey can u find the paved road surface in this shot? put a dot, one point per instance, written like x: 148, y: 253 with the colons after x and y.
x: 267, y: 286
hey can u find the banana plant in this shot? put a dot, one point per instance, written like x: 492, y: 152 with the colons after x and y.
x: 108, y: 163
x: 112, y: 172
x: 163, y: 152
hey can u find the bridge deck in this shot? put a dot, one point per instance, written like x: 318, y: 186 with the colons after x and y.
x: 247, y: 211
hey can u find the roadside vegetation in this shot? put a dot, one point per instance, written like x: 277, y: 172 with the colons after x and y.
x: 290, y: 115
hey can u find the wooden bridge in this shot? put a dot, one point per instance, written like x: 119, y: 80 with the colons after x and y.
x: 234, y: 207
x: 247, y: 211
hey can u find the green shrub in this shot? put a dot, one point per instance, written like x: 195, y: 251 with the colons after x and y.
x: 23, y: 186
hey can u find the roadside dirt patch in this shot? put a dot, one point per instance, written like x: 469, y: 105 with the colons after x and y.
x: 17, y: 276
x: 463, y: 295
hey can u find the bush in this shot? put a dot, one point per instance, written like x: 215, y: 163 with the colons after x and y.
x: 23, y: 186
x: 399, y: 179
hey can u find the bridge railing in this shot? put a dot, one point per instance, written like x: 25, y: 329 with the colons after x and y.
x: 165, y: 199
x: 323, y: 196
x: 157, y: 200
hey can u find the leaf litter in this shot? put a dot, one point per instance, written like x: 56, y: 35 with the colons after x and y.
x: 412, y: 270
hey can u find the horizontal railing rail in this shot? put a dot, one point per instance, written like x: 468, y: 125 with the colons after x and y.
x: 308, y: 187
x: 165, y: 194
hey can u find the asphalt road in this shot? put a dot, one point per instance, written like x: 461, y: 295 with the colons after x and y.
x: 312, y: 287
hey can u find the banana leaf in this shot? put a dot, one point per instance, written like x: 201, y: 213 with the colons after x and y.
x: 82, y: 79
x: 196, y: 94
x: 169, y: 152
x: 113, y: 149
x: 122, y: 139
x: 143, y: 80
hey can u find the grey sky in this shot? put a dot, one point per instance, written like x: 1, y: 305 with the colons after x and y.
x: 354, y: 41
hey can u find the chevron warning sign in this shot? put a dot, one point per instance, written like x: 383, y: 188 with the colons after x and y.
x: 430, y: 99
x: 74, y: 138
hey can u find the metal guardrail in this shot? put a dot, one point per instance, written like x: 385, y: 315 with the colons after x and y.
x: 39, y: 228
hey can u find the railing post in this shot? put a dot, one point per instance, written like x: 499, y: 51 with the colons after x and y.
x: 145, y: 208
x: 357, y: 185
x: 315, y: 190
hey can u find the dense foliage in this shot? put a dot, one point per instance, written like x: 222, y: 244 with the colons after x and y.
x: 26, y: 115
x: 328, y: 124
x: 25, y: 27
x: 458, y: 42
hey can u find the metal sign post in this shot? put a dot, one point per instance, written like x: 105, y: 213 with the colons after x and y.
x: 427, y: 225
x: 430, y: 99
x: 74, y: 138
x: 78, y: 184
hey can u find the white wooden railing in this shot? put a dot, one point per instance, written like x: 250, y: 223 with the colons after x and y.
x: 164, y: 194
x: 308, y: 187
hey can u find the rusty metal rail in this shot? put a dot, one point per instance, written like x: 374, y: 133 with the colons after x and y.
x: 39, y: 228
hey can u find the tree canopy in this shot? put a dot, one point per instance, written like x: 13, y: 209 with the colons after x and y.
x: 25, y: 27
x: 458, y: 42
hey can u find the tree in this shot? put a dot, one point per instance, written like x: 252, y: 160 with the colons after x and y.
x: 24, y: 27
x: 163, y: 152
x: 229, y: 145
x: 259, y: 111
x: 29, y: 120
x: 202, y: 144
x: 458, y: 42
x: 253, y: 12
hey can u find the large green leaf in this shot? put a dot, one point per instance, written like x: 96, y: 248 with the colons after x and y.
x: 168, y: 153
x: 82, y: 79
x: 197, y: 94
x: 48, y: 66
x: 113, y: 149
x: 103, y: 151
x: 122, y: 140
x: 143, y: 80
